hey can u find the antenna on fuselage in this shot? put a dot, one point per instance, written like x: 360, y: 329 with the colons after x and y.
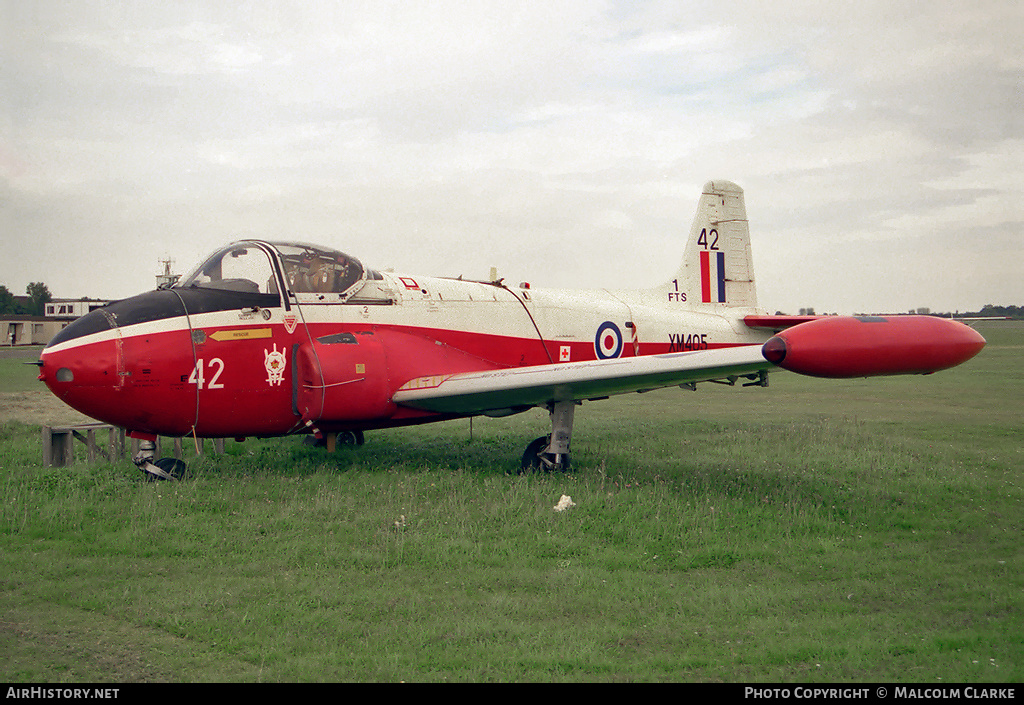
x: 166, y: 279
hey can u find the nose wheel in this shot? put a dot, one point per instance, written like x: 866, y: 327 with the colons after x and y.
x: 173, y: 469
x: 162, y: 469
x: 551, y: 453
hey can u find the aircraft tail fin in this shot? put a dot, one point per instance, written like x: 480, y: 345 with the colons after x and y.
x: 717, y: 269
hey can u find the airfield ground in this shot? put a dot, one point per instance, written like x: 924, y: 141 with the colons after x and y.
x: 818, y: 530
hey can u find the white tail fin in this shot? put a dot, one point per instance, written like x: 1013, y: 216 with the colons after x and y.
x: 717, y: 269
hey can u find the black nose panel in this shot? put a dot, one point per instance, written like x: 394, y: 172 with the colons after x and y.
x: 151, y: 306
x: 92, y: 322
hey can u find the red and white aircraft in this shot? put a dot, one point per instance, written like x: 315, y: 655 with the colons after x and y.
x: 273, y: 338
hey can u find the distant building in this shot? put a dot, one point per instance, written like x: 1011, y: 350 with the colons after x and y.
x: 72, y: 307
x: 20, y: 329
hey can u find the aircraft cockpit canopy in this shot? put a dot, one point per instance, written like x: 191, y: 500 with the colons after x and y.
x: 312, y: 269
x: 242, y: 267
x: 247, y: 267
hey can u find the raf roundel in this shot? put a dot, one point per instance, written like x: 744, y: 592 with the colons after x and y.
x: 608, y: 341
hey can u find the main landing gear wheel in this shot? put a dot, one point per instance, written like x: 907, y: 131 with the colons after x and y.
x: 350, y: 438
x: 343, y: 438
x: 551, y: 453
x: 538, y: 459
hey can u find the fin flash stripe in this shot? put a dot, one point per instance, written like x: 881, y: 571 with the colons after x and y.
x: 712, y: 277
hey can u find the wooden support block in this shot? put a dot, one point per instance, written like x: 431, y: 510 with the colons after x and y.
x: 58, y: 447
x: 115, y: 444
x: 59, y: 443
x: 90, y: 444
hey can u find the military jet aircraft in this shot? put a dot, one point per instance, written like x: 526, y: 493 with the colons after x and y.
x: 279, y: 338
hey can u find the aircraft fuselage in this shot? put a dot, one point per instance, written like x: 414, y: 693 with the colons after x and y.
x: 220, y: 362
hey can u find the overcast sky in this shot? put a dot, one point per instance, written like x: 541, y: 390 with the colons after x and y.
x: 880, y: 144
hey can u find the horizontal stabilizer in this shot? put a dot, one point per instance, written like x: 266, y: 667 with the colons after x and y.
x: 776, y: 323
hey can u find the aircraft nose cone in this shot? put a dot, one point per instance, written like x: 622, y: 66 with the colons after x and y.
x: 80, y: 367
x: 123, y: 364
x: 60, y: 360
x: 70, y: 371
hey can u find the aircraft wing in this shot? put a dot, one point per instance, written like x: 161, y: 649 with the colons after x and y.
x: 777, y: 323
x: 520, y: 388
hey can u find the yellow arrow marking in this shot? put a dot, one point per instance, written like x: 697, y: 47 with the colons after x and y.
x: 242, y: 334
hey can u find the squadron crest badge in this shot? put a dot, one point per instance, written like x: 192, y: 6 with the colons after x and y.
x: 275, y: 363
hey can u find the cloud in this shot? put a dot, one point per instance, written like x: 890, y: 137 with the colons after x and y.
x: 565, y: 142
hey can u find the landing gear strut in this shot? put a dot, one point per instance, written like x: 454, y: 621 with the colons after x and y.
x: 162, y: 469
x: 551, y: 453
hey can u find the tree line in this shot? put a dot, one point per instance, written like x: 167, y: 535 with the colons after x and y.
x: 33, y: 304
x: 986, y: 311
x: 990, y: 310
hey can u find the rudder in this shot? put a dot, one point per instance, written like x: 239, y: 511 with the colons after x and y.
x: 717, y: 268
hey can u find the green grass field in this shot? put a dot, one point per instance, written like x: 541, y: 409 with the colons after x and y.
x: 818, y: 530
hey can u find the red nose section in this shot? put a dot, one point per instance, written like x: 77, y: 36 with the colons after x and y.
x: 841, y: 346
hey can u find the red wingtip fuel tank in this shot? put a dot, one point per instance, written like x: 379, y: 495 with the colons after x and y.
x: 866, y: 346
